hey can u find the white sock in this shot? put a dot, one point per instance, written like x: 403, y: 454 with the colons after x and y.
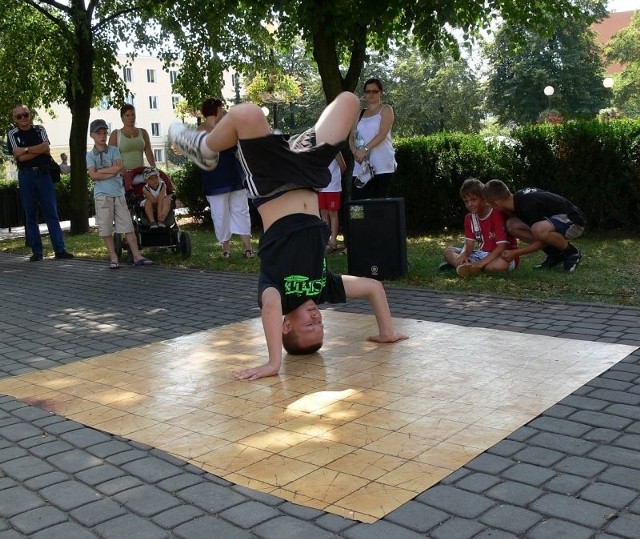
x: 205, y: 150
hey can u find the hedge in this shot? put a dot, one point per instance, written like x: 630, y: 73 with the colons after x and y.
x: 593, y: 163
x: 596, y: 164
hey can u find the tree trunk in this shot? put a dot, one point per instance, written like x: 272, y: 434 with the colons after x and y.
x: 79, y: 95
x: 326, y: 56
x: 78, y: 150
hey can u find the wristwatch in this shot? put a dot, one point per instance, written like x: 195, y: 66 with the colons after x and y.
x: 366, y: 149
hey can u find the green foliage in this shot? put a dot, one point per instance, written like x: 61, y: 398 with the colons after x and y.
x: 624, y: 47
x: 592, y: 163
x: 595, y: 164
x: 63, y: 190
x: 273, y: 88
x: 431, y: 95
x: 188, y: 188
x: 569, y: 60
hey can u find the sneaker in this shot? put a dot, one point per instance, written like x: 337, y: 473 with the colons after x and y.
x: 188, y: 142
x: 551, y: 261
x: 63, y: 255
x: 161, y: 224
x: 571, y: 261
x: 445, y: 266
x: 467, y: 270
x: 35, y: 257
x: 153, y: 225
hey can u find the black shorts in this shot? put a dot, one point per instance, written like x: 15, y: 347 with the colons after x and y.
x: 272, y: 165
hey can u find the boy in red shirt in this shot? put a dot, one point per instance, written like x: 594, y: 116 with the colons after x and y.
x: 485, y: 227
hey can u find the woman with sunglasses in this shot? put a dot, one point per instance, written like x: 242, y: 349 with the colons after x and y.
x: 370, y: 141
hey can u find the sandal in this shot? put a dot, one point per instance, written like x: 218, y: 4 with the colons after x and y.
x: 143, y: 262
x: 249, y: 254
x: 331, y: 247
x: 226, y: 254
x: 114, y: 264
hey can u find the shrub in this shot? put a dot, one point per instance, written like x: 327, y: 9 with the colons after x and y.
x: 595, y: 164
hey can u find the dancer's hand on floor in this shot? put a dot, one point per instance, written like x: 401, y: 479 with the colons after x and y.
x: 394, y: 337
x: 256, y: 372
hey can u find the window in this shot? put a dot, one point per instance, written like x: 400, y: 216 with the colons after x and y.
x: 153, y: 102
x: 158, y: 155
x: 151, y: 75
x: 155, y: 129
x: 130, y: 100
x: 175, y: 99
x: 126, y: 74
x: 173, y: 76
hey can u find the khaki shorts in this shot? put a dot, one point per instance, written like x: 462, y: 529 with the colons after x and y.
x: 110, y: 210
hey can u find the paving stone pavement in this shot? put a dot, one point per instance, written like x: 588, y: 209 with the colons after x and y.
x: 573, y: 472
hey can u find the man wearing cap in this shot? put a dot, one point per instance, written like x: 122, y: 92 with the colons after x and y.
x: 29, y: 145
x: 104, y: 166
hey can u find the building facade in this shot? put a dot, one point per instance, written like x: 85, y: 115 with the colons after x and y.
x: 150, y: 92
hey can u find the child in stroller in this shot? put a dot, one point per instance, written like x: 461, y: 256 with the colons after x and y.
x: 151, y: 201
x: 156, y: 201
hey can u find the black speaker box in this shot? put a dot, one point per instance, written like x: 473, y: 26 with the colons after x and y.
x: 377, y: 238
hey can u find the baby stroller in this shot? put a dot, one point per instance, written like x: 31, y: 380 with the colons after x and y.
x: 169, y: 237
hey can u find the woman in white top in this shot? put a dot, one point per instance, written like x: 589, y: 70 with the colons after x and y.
x: 370, y: 140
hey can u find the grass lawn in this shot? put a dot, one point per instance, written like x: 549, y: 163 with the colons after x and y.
x: 609, y: 272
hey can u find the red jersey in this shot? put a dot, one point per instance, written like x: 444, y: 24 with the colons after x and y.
x: 488, y: 232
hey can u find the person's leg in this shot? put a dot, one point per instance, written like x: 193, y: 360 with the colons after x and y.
x: 380, y: 185
x: 242, y: 121
x: 148, y: 211
x: 49, y: 205
x: 111, y: 248
x: 219, y: 208
x: 334, y: 225
x: 132, y: 242
x: 28, y: 195
x: 518, y: 229
x: 164, y: 207
x: 124, y: 225
x: 360, y: 193
x: 240, y: 219
x: 545, y: 232
x: 451, y: 255
x: 337, y: 119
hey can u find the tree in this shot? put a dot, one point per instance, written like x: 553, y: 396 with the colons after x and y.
x: 66, y: 52
x: 624, y: 47
x: 340, y: 32
x: 569, y: 60
x: 431, y: 95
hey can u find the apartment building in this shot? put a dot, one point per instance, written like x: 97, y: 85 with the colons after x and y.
x: 150, y: 91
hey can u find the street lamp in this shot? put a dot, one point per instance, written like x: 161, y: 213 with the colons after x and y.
x: 549, y: 91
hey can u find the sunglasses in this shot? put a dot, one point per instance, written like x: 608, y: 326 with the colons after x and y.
x: 22, y: 115
x: 372, y: 91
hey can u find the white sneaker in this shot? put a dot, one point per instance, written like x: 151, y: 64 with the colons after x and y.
x: 188, y: 142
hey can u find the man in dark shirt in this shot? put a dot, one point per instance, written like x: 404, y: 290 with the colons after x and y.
x: 29, y: 145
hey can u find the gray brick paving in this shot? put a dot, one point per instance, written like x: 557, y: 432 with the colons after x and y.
x: 572, y: 472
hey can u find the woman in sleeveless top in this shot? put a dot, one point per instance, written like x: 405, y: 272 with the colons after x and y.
x: 371, y: 140
x: 133, y: 142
